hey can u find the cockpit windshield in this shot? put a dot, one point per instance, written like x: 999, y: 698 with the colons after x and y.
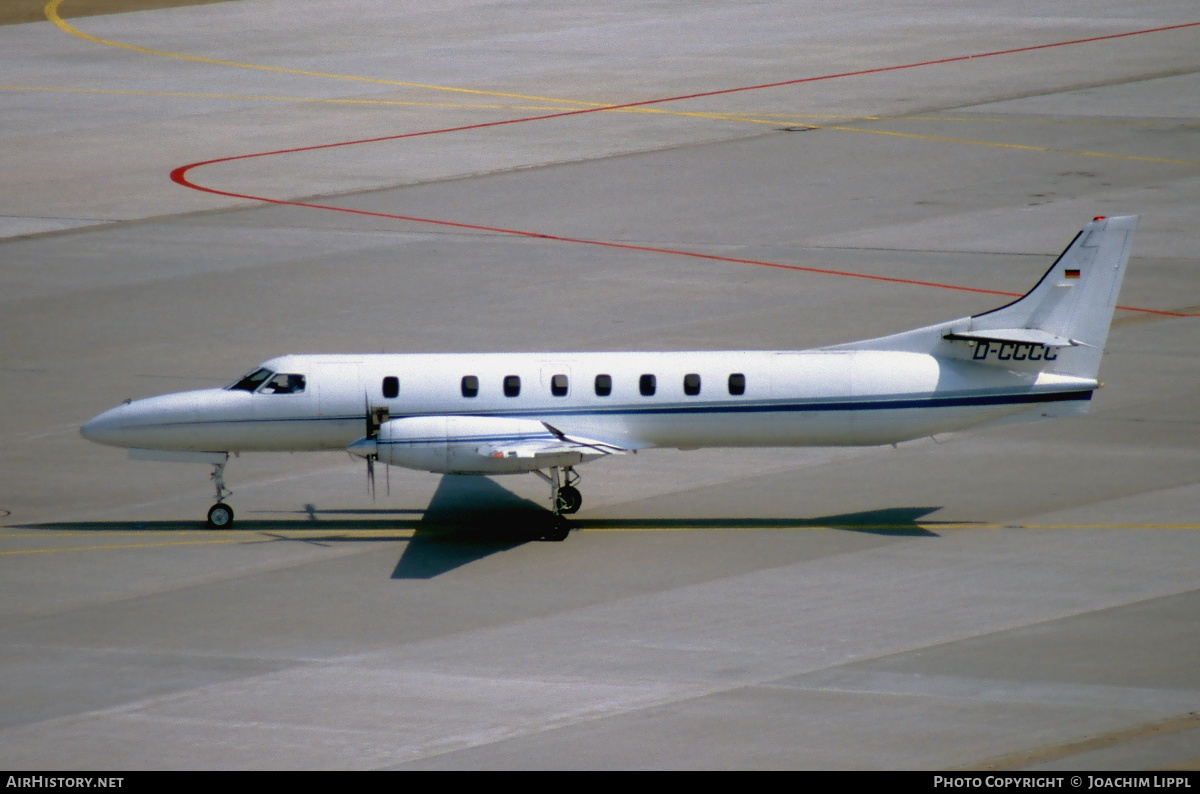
x: 264, y: 381
x: 252, y: 381
x: 284, y: 384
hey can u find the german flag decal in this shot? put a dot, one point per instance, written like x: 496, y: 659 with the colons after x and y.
x: 1071, y: 273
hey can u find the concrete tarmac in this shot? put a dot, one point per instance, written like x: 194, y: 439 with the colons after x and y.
x: 1016, y: 598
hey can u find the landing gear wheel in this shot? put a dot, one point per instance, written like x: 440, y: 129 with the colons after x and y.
x: 569, y: 499
x: 220, y: 516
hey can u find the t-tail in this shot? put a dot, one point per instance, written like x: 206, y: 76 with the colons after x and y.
x: 1058, y: 327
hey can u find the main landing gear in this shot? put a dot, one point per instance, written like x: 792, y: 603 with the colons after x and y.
x: 565, y: 499
x: 220, y: 515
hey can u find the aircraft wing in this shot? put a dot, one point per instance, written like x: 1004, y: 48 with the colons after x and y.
x: 549, y: 447
x: 480, y: 445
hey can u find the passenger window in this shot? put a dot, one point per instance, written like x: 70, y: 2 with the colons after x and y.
x: 691, y: 384
x: 603, y: 385
x: 284, y: 384
x: 512, y: 385
x: 559, y: 385
x: 737, y: 383
x: 391, y: 387
x: 647, y: 385
x: 470, y: 386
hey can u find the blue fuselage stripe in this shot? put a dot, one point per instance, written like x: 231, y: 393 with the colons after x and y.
x: 627, y: 409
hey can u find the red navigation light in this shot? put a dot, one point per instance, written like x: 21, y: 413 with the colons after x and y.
x: 1098, y: 218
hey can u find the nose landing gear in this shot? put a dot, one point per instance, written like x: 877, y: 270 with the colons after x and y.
x: 220, y: 515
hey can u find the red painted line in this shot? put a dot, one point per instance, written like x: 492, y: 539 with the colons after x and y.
x: 604, y: 243
x: 655, y: 250
x: 180, y: 174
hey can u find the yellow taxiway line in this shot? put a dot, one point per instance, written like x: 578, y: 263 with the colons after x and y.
x: 227, y: 537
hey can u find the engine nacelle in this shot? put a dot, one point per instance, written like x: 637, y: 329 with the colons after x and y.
x: 469, y: 445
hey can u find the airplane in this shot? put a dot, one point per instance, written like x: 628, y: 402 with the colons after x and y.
x: 1035, y: 358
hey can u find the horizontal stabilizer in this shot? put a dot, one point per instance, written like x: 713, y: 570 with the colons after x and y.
x: 1029, y: 336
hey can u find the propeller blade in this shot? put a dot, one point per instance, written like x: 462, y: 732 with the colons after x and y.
x: 371, y: 476
x: 370, y: 434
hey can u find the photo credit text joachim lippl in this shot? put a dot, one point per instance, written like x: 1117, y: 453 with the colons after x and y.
x: 1085, y: 782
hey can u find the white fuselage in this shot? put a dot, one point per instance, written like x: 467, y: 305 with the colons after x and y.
x: 698, y: 399
x: 505, y: 413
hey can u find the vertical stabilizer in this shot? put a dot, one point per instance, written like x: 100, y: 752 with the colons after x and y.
x: 1071, y: 308
x: 1060, y: 326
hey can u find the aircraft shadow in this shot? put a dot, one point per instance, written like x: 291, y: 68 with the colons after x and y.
x: 891, y: 521
x: 471, y: 517
x: 467, y: 519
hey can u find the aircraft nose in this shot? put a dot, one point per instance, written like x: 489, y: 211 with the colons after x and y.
x: 189, y: 420
x: 106, y: 428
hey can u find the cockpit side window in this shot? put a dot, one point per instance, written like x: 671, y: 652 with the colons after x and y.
x: 284, y: 384
x: 251, y: 381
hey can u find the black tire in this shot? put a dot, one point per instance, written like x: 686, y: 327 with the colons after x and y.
x: 557, y: 532
x: 220, y: 516
x: 569, y: 499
